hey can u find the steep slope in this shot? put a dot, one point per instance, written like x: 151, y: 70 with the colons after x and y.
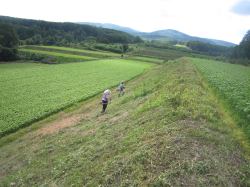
x: 167, y: 130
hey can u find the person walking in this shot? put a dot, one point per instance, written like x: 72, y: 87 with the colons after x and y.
x: 106, y: 98
x: 121, y: 89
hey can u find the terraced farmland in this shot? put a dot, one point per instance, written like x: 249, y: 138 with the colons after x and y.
x: 60, y: 57
x: 74, y: 51
x: 32, y: 91
x: 232, y: 83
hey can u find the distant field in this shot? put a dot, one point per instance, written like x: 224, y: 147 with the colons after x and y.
x: 164, y: 53
x: 182, y: 46
x: 74, y: 51
x: 167, y: 54
x: 232, y: 82
x: 146, y: 59
x: 32, y: 91
x: 63, y: 56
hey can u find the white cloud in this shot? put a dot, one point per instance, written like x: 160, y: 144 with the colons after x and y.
x: 204, y: 18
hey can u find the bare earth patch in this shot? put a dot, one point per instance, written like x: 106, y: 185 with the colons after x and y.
x: 58, y: 125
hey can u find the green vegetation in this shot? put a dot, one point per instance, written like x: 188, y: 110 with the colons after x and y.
x: 33, y: 91
x: 8, y: 43
x: 146, y: 59
x: 164, y: 53
x: 182, y: 46
x: 167, y: 130
x: 232, y: 83
x: 75, y: 51
x: 32, y: 32
x: 58, y: 57
x: 209, y: 49
x: 55, y: 54
x: 241, y: 53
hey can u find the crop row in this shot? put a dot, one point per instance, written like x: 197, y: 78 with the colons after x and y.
x: 232, y: 82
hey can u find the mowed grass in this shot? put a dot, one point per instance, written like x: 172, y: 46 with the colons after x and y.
x: 167, y: 130
x: 75, y: 51
x: 32, y: 91
x: 232, y: 83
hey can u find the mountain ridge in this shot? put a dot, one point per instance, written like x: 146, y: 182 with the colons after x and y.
x: 165, y: 34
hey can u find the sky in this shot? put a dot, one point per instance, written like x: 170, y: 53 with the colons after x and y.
x: 226, y: 20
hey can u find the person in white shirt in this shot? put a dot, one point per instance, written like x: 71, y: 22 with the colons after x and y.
x: 106, y: 98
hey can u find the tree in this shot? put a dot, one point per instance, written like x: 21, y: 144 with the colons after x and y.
x: 245, y: 45
x: 8, y: 43
x: 124, y: 48
x: 241, y: 53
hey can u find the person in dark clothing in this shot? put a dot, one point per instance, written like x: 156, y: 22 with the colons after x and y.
x: 121, y: 89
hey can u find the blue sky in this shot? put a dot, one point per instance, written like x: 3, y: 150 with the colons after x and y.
x: 242, y: 8
x: 219, y: 19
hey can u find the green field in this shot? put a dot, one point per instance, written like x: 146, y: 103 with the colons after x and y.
x: 32, y: 91
x: 74, y: 51
x: 232, y: 83
x: 146, y: 59
x: 61, y: 56
x: 166, y: 53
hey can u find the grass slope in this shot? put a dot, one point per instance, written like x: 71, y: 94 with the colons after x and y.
x: 167, y: 130
x: 33, y: 91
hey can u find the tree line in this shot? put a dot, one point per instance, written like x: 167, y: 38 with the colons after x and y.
x: 14, y: 31
x: 209, y: 49
x: 238, y: 54
x: 242, y: 51
x: 53, y: 33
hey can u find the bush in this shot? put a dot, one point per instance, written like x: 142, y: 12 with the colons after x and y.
x: 7, y: 54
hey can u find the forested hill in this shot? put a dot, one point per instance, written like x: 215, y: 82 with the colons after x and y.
x: 54, y: 33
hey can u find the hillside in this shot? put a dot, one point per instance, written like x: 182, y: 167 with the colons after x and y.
x: 166, y: 35
x: 44, y: 32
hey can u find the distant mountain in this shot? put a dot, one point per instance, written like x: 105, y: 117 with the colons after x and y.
x: 165, y: 35
x: 112, y: 26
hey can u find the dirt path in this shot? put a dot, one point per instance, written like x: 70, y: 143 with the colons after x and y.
x: 64, y: 120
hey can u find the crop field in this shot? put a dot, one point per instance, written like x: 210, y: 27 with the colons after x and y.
x: 74, y: 51
x: 164, y: 53
x: 232, y: 83
x: 61, y: 56
x: 32, y: 91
